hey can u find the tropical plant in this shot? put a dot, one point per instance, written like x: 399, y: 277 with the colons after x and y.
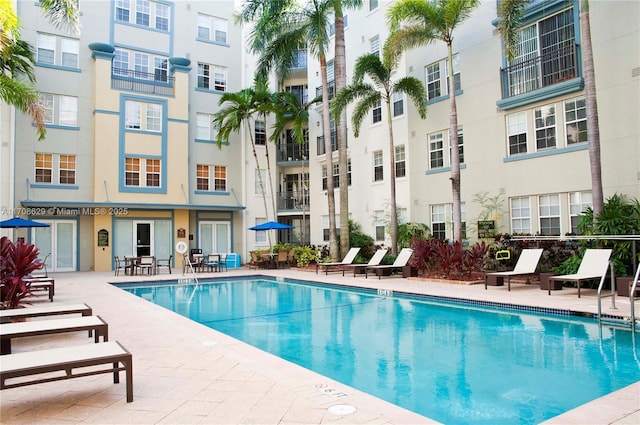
x: 510, y: 15
x: 407, y: 232
x: 416, y: 23
x: 304, y: 255
x: 360, y: 239
x: 380, y: 87
x: 448, y: 260
x: 17, y: 261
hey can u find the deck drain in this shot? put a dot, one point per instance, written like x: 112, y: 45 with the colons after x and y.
x: 342, y: 409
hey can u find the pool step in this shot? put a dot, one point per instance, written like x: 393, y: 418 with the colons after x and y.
x: 619, y: 323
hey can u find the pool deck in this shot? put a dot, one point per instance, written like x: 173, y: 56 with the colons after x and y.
x: 186, y: 373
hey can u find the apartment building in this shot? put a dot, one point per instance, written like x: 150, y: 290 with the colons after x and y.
x: 130, y: 164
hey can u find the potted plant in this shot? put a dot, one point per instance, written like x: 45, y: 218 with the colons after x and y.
x: 17, y: 261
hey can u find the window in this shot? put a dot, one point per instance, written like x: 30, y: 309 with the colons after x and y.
x: 373, y: 4
x: 520, y: 215
x: 211, y: 176
x: 399, y: 156
x: 219, y: 82
x: 147, y: 13
x: 300, y: 58
x: 545, y: 121
x: 142, y: 172
x: 379, y: 225
x: 301, y: 92
x: 436, y: 151
x: 260, y: 133
x: 578, y: 203
x: 143, y: 65
x: 378, y: 170
x: 576, y: 120
x: 325, y: 226
x: 44, y: 168
x: 152, y: 113
x: 374, y: 45
x: 336, y: 175
x: 397, y: 100
x: 460, y: 146
x: 60, y: 110
x: 517, y: 133
x: 437, y: 76
x: 438, y: 221
x: 549, y: 210
x: 377, y: 112
x: 204, y: 129
x: 261, y: 235
x: 58, y: 51
x: 260, y: 175
x: 220, y: 28
x: 67, y: 174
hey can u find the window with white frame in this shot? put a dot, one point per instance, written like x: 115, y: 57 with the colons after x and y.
x: 146, y: 13
x: 212, y: 28
x: 373, y: 4
x: 378, y: 169
x: 135, y: 111
x: 578, y: 203
x: 204, y: 129
x: 44, y: 168
x: 517, y: 133
x: 142, y: 172
x: 437, y: 77
x: 58, y: 51
x: 140, y: 65
x: 402, y: 215
x: 439, y: 221
x: 377, y: 112
x: 436, y: 150
x: 400, y: 160
x: 211, y: 178
x: 60, y: 110
x: 260, y: 175
x: 336, y: 175
x: 67, y: 169
x: 549, y: 214
x: 397, y: 101
x: 575, y: 111
x: 379, y: 225
x: 64, y: 174
x: 260, y: 133
x: 374, y: 45
x: 520, y: 215
x: 460, y: 146
x: 545, y: 121
x: 212, y: 77
x: 325, y: 226
x: 261, y: 235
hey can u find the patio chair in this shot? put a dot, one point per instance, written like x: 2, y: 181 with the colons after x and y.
x: 164, y: 262
x: 147, y: 264
x: 594, y: 265
x: 119, y: 265
x: 348, y: 259
x: 256, y: 261
x: 223, y: 262
x: 361, y: 268
x: 282, y: 260
x: 401, y: 260
x: 212, y: 262
x: 10, y: 314
x: 526, y: 265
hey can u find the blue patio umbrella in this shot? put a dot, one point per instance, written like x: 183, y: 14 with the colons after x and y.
x: 271, y: 225
x: 17, y: 222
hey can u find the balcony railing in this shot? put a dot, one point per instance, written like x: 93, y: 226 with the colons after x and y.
x: 331, y: 87
x: 293, y: 152
x: 293, y: 201
x: 142, y: 82
x: 334, y: 143
x: 541, y: 71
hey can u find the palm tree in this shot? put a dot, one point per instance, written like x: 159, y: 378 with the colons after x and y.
x: 381, y: 89
x: 264, y: 99
x: 510, y: 13
x: 417, y: 23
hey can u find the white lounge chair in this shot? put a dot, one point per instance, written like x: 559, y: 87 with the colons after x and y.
x: 401, y: 260
x: 348, y: 259
x: 374, y: 261
x: 594, y: 265
x: 526, y: 265
x: 54, y: 310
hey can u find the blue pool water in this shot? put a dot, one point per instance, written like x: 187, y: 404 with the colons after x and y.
x: 457, y: 363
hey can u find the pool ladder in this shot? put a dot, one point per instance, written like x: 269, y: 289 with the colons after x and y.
x: 631, y: 323
x: 193, y: 272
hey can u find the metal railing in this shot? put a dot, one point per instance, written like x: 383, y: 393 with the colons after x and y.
x: 293, y: 152
x: 142, y: 82
x: 293, y: 201
x: 331, y: 86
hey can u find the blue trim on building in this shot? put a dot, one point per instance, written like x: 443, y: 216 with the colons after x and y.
x: 58, y: 67
x: 214, y: 142
x: 178, y: 120
x: 54, y: 186
x: 217, y: 43
x: 136, y: 206
x: 443, y: 170
x: 550, y: 152
x: 104, y: 111
x: 143, y: 50
x: 60, y: 127
x: 443, y: 97
x: 212, y: 192
x: 210, y: 91
x: 549, y: 92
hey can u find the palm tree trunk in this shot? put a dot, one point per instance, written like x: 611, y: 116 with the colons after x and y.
x: 455, y: 154
x: 341, y: 82
x: 266, y: 153
x: 333, y: 243
x: 260, y: 182
x: 593, y: 128
x: 393, y: 220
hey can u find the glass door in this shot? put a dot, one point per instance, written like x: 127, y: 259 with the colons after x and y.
x: 143, y: 238
x: 59, y: 242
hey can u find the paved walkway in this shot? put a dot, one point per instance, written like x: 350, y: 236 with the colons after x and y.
x: 186, y: 373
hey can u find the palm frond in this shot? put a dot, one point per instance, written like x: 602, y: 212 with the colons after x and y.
x: 347, y: 95
x: 414, y: 88
x: 362, y: 110
x: 24, y: 98
x: 510, y: 13
x: 63, y: 14
x: 17, y: 60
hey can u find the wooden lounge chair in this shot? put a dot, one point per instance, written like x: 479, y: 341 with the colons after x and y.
x: 71, y: 361
x: 54, y: 310
x: 401, y: 260
x: 361, y: 268
x: 526, y: 265
x: 9, y: 331
x: 47, y: 284
x: 348, y: 259
x: 594, y: 265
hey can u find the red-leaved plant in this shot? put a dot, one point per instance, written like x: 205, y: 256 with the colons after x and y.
x: 17, y: 261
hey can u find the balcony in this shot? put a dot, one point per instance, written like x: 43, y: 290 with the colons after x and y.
x: 293, y: 152
x: 332, y: 89
x: 334, y: 143
x: 142, y: 82
x: 539, y: 72
x: 293, y: 201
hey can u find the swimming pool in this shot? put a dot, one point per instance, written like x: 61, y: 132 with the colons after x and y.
x: 456, y: 363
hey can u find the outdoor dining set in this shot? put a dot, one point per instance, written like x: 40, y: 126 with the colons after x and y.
x: 140, y: 265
